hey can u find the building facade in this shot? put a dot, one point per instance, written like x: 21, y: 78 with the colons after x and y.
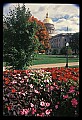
x: 56, y: 41
x: 59, y: 41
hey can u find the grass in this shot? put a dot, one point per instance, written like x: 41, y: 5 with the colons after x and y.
x: 76, y: 66
x: 51, y: 59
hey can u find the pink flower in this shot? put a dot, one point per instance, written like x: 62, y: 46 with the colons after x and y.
x: 42, y: 108
x: 32, y: 105
x: 58, y: 102
x: 38, y: 115
x: 41, y: 114
x: 56, y: 106
x: 71, y: 91
x: 77, y: 93
x: 33, y: 111
x: 47, y: 104
x: 47, y: 85
x: 74, y: 102
x: 65, y: 96
x: 72, y: 88
x: 47, y: 112
x: 51, y: 87
x: 42, y: 103
x: 24, y: 111
x: 54, y: 83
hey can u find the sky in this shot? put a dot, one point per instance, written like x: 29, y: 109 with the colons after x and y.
x: 62, y: 15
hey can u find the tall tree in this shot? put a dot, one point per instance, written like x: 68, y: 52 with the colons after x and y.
x: 74, y: 42
x: 19, y: 40
x: 41, y: 33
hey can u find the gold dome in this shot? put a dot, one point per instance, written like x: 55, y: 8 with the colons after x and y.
x: 47, y: 20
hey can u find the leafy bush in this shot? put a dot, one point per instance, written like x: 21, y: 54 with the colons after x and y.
x: 19, y: 38
x: 54, y: 52
x: 63, y: 51
x: 44, y: 92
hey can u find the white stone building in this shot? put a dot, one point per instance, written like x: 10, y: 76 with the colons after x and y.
x: 56, y: 41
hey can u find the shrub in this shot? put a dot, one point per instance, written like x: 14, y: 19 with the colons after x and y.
x: 19, y: 38
x: 54, y: 52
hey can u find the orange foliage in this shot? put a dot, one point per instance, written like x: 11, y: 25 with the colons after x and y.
x: 41, y: 33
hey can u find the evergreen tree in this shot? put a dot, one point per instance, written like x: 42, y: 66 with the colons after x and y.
x: 19, y: 40
x: 74, y: 42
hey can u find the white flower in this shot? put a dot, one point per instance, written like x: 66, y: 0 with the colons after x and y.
x: 15, y: 77
x: 18, y: 74
x: 14, y: 81
x: 22, y: 81
x: 47, y: 80
x: 25, y: 77
x: 32, y: 105
x: 36, y: 91
x: 23, y: 94
x: 31, y: 86
x: 19, y: 77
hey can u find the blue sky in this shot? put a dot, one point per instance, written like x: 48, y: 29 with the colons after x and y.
x: 62, y: 15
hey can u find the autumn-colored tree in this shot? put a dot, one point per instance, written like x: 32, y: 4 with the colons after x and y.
x: 42, y: 34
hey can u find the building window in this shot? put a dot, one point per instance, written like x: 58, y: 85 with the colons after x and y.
x: 65, y: 40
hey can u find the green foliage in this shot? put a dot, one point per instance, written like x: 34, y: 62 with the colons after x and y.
x: 63, y: 51
x: 19, y: 41
x: 54, y: 52
x: 74, y: 42
x: 41, y: 47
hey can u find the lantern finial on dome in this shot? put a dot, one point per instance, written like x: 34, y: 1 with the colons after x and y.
x: 47, y: 15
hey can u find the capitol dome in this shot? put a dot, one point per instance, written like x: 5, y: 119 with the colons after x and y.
x: 47, y: 20
x: 49, y: 24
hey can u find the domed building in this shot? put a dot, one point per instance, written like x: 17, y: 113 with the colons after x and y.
x: 49, y: 25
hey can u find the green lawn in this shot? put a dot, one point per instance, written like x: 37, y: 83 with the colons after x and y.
x: 50, y: 59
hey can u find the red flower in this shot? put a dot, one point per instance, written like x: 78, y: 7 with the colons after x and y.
x: 13, y: 90
x: 6, y: 82
x: 9, y: 107
x: 54, y: 76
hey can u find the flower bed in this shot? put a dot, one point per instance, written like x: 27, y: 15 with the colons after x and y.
x: 44, y: 92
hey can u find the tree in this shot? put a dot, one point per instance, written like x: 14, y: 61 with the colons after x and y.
x: 19, y: 38
x: 55, y: 51
x: 41, y: 33
x: 74, y: 42
x: 63, y: 51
